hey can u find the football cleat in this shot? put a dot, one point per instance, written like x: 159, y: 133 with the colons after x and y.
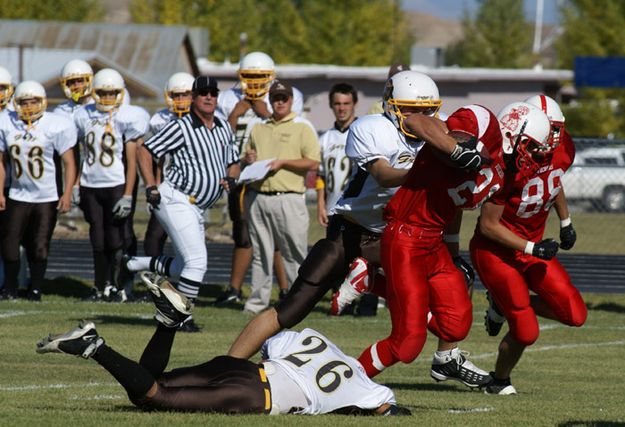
x: 82, y: 341
x: 229, y: 296
x: 109, y: 293
x: 500, y: 387
x: 355, y: 284
x: 494, y: 320
x: 189, y: 326
x: 458, y: 368
x: 172, y: 307
x: 395, y: 410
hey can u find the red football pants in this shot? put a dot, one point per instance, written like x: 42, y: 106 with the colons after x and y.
x: 509, y: 275
x: 420, y: 278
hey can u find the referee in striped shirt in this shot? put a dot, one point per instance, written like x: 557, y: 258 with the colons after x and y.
x: 203, y: 154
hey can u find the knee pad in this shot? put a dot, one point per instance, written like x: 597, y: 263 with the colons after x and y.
x: 577, y: 311
x: 524, y: 326
x: 298, y: 303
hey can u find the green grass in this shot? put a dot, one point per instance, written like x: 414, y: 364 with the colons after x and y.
x: 570, y: 377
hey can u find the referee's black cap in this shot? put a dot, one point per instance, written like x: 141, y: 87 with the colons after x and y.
x: 204, y: 83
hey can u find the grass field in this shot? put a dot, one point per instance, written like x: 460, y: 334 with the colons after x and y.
x: 570, y: 377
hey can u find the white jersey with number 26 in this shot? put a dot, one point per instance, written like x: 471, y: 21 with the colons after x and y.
x: 328, y: 377
x: 103, y: 136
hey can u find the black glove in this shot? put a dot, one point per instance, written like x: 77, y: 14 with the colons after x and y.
x: 466, y: 156
x: 466, y: 269
x: 152, y: 196
x: 568, y: 236
x: 545, y: 249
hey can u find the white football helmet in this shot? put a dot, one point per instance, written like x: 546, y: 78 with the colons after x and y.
x: 30, y: 89
x: 525, y: 129
x: 77, y: 69
x: 6, y: 87
x: 553, y: 111
x: 256, y: 73
x: 108, y: 79
x: 409, y: 89
x: 178, y: 83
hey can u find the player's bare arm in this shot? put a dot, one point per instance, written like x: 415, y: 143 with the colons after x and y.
x: 451, y: 235
x: 131, y: 165
x: 568, y: 235
x: 255, y: 333
x: 260, y: 108
x: 386, y: 175
x: 491, y: 227
x: 144, y: 158
x: 322, y: 214
x: 69, y: 172
x: 239, y: 109
x: 432, y: 130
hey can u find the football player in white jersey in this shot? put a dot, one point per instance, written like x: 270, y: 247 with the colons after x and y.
x: 30, y: 137
x: 383, y: 152
x: 301, y: 373
x: 178, y: 99
x: 108, y: 131
x: 243, y: 106
x: 6, y: 92
x: 336, y: 167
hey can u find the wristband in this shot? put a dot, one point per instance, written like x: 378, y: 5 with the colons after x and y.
x: 564, y: 222
x: 451, y: 238
x: 529, y: 248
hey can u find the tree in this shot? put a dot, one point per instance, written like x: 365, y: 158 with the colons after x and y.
x: 345, y: 32
x: 593, y: 28
x: 499, y: 37
x: 58, y: 10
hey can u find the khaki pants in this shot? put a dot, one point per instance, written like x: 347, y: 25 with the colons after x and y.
x: 276, y: 221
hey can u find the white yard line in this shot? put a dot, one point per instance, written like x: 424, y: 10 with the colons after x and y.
x: 30, y: 387
x: 471, y: 410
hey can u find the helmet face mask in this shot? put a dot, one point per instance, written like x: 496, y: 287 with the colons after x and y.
x: 77, y: 80
x: 106, y: 82
x: 526, y: 132
x: 30, y: 101
x: 256, y: 73
x: 409, y: 92
x: 178, y: 93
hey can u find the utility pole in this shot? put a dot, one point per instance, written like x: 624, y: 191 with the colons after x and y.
x: 20, y: 58
x: 538, y: 27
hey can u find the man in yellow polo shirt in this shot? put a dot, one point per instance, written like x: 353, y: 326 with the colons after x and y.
x: 276, y: 206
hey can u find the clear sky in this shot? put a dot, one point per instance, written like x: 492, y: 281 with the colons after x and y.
x: 453, y: 9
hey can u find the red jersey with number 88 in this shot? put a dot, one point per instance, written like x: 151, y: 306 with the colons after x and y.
x: 528, y: 199
x: 434, y: 190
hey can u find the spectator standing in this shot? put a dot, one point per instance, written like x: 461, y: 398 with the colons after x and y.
x: 276, y: 205
x: 243, y: 106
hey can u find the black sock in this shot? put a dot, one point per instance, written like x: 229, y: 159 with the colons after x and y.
x: 101, y: 269
x: 132, y: 376
x: 37, y: 274
x: 156, y: 354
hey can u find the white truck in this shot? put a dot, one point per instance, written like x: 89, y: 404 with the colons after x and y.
x: 598, y: 175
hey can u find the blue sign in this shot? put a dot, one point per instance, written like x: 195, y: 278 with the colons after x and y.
x: 595, y: 71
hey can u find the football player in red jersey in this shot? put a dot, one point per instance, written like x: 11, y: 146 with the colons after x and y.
x: 508, y: 250
x: 421, y: 277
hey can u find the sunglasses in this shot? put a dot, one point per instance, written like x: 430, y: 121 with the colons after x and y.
x: 280, y: 97
x: 206, y: 92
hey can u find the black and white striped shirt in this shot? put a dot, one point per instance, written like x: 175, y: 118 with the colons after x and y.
x: 199, y: 156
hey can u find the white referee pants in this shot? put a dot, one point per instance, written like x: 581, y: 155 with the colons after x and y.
x: 184, y: 224
x: 278, y: 221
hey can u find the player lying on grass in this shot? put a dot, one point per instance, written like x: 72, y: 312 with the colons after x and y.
x: 301, y: 372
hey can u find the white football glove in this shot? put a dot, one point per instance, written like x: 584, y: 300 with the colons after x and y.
x: 123, y: 207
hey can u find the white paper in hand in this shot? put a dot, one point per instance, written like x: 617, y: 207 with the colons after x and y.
x: 255, y: 172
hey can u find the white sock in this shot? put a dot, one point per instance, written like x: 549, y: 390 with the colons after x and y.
x: 137, y: 263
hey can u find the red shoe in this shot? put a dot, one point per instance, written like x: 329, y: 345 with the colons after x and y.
x: 355, y: 284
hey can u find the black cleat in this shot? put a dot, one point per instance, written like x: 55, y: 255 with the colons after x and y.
x: 189, y: 326
x: 172, y: 307
x: 94, y: 295
x: 34, y: 295
x: 229, y: 296
x: 82, y: 341
x: 500, y: 387
x: 459, y: 368
x: 395, y: 410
